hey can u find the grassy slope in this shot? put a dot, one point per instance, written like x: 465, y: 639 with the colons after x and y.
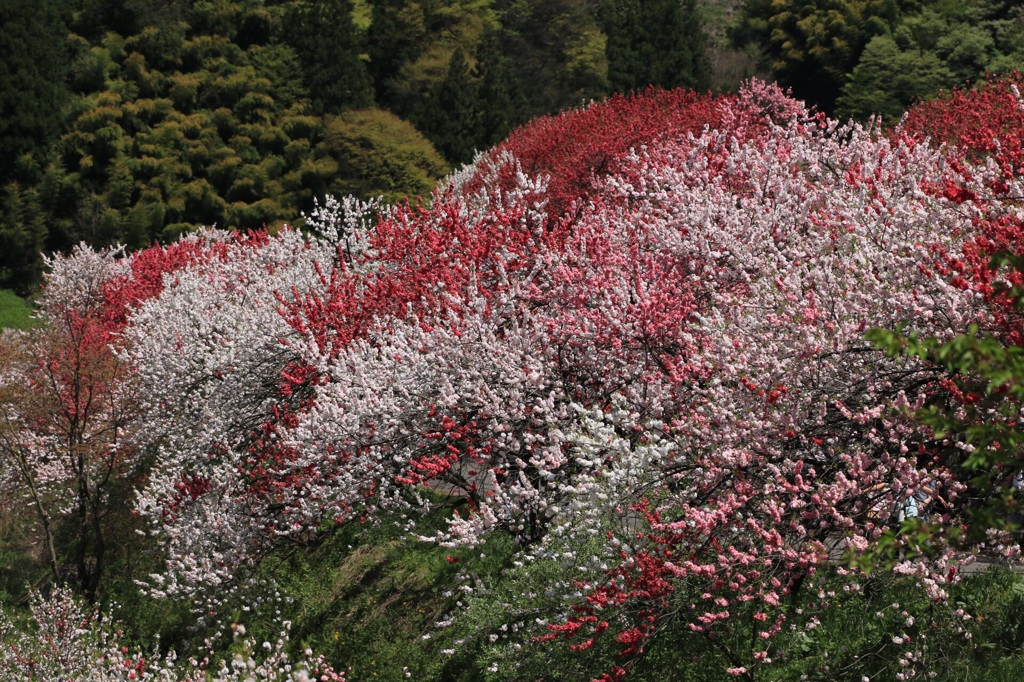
x: 370, y: 599
x: 370, y: 602
x: 14, y: 311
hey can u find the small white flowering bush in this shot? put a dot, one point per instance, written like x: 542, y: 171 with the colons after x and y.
x: 67, y: 642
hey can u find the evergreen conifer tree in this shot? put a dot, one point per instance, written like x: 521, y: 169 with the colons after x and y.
x: 329, y: 48
x: 450, y: 116
x: 500, y: 95
x: 33, y: 95
x: 34, y: 62
x: 655, y: 42
x: 394, y: 39
x: 557, y: 49
x: 22, y: 238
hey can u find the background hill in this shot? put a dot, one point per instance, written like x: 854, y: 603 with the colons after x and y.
x: 133, y: 121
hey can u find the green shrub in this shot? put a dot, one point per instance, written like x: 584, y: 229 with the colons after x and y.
x: 379, y: 154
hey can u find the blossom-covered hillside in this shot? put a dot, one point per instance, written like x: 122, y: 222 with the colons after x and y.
x: 631, y: 338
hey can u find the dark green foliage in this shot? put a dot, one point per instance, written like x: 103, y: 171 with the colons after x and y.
x: 329, y: 47
x: 396, y: 38
x: 411, y: 45
x: 443, y: 66
x: 557, y: 51
x: 655, y: 42
x: 450, y: 114
x: 137, y: 120
x: 222, y: 135
x: 887, y: 80
x: 859, y: 57
x: 280, y: 64
x: 22, y: 236
x: 94, y: 18
x: 811, y: 45
x: 941, y: 46
x: 500, y: 94
x: 32, y: 91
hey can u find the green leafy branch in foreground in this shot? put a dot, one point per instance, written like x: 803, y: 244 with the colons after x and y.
x: 979, y: 416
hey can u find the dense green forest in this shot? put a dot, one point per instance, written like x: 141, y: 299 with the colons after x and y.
x: 861, y: 57
x: 134, y: 121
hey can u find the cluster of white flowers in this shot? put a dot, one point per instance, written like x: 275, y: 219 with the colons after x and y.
x: 71, y: 642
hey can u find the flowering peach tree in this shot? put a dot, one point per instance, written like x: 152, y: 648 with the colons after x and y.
x: 65, y: 408
x: 631, y: 337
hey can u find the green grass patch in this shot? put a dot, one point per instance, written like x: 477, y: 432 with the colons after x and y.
x: 886, y: 628
x: 370, y: 598
x: 15, y: 312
